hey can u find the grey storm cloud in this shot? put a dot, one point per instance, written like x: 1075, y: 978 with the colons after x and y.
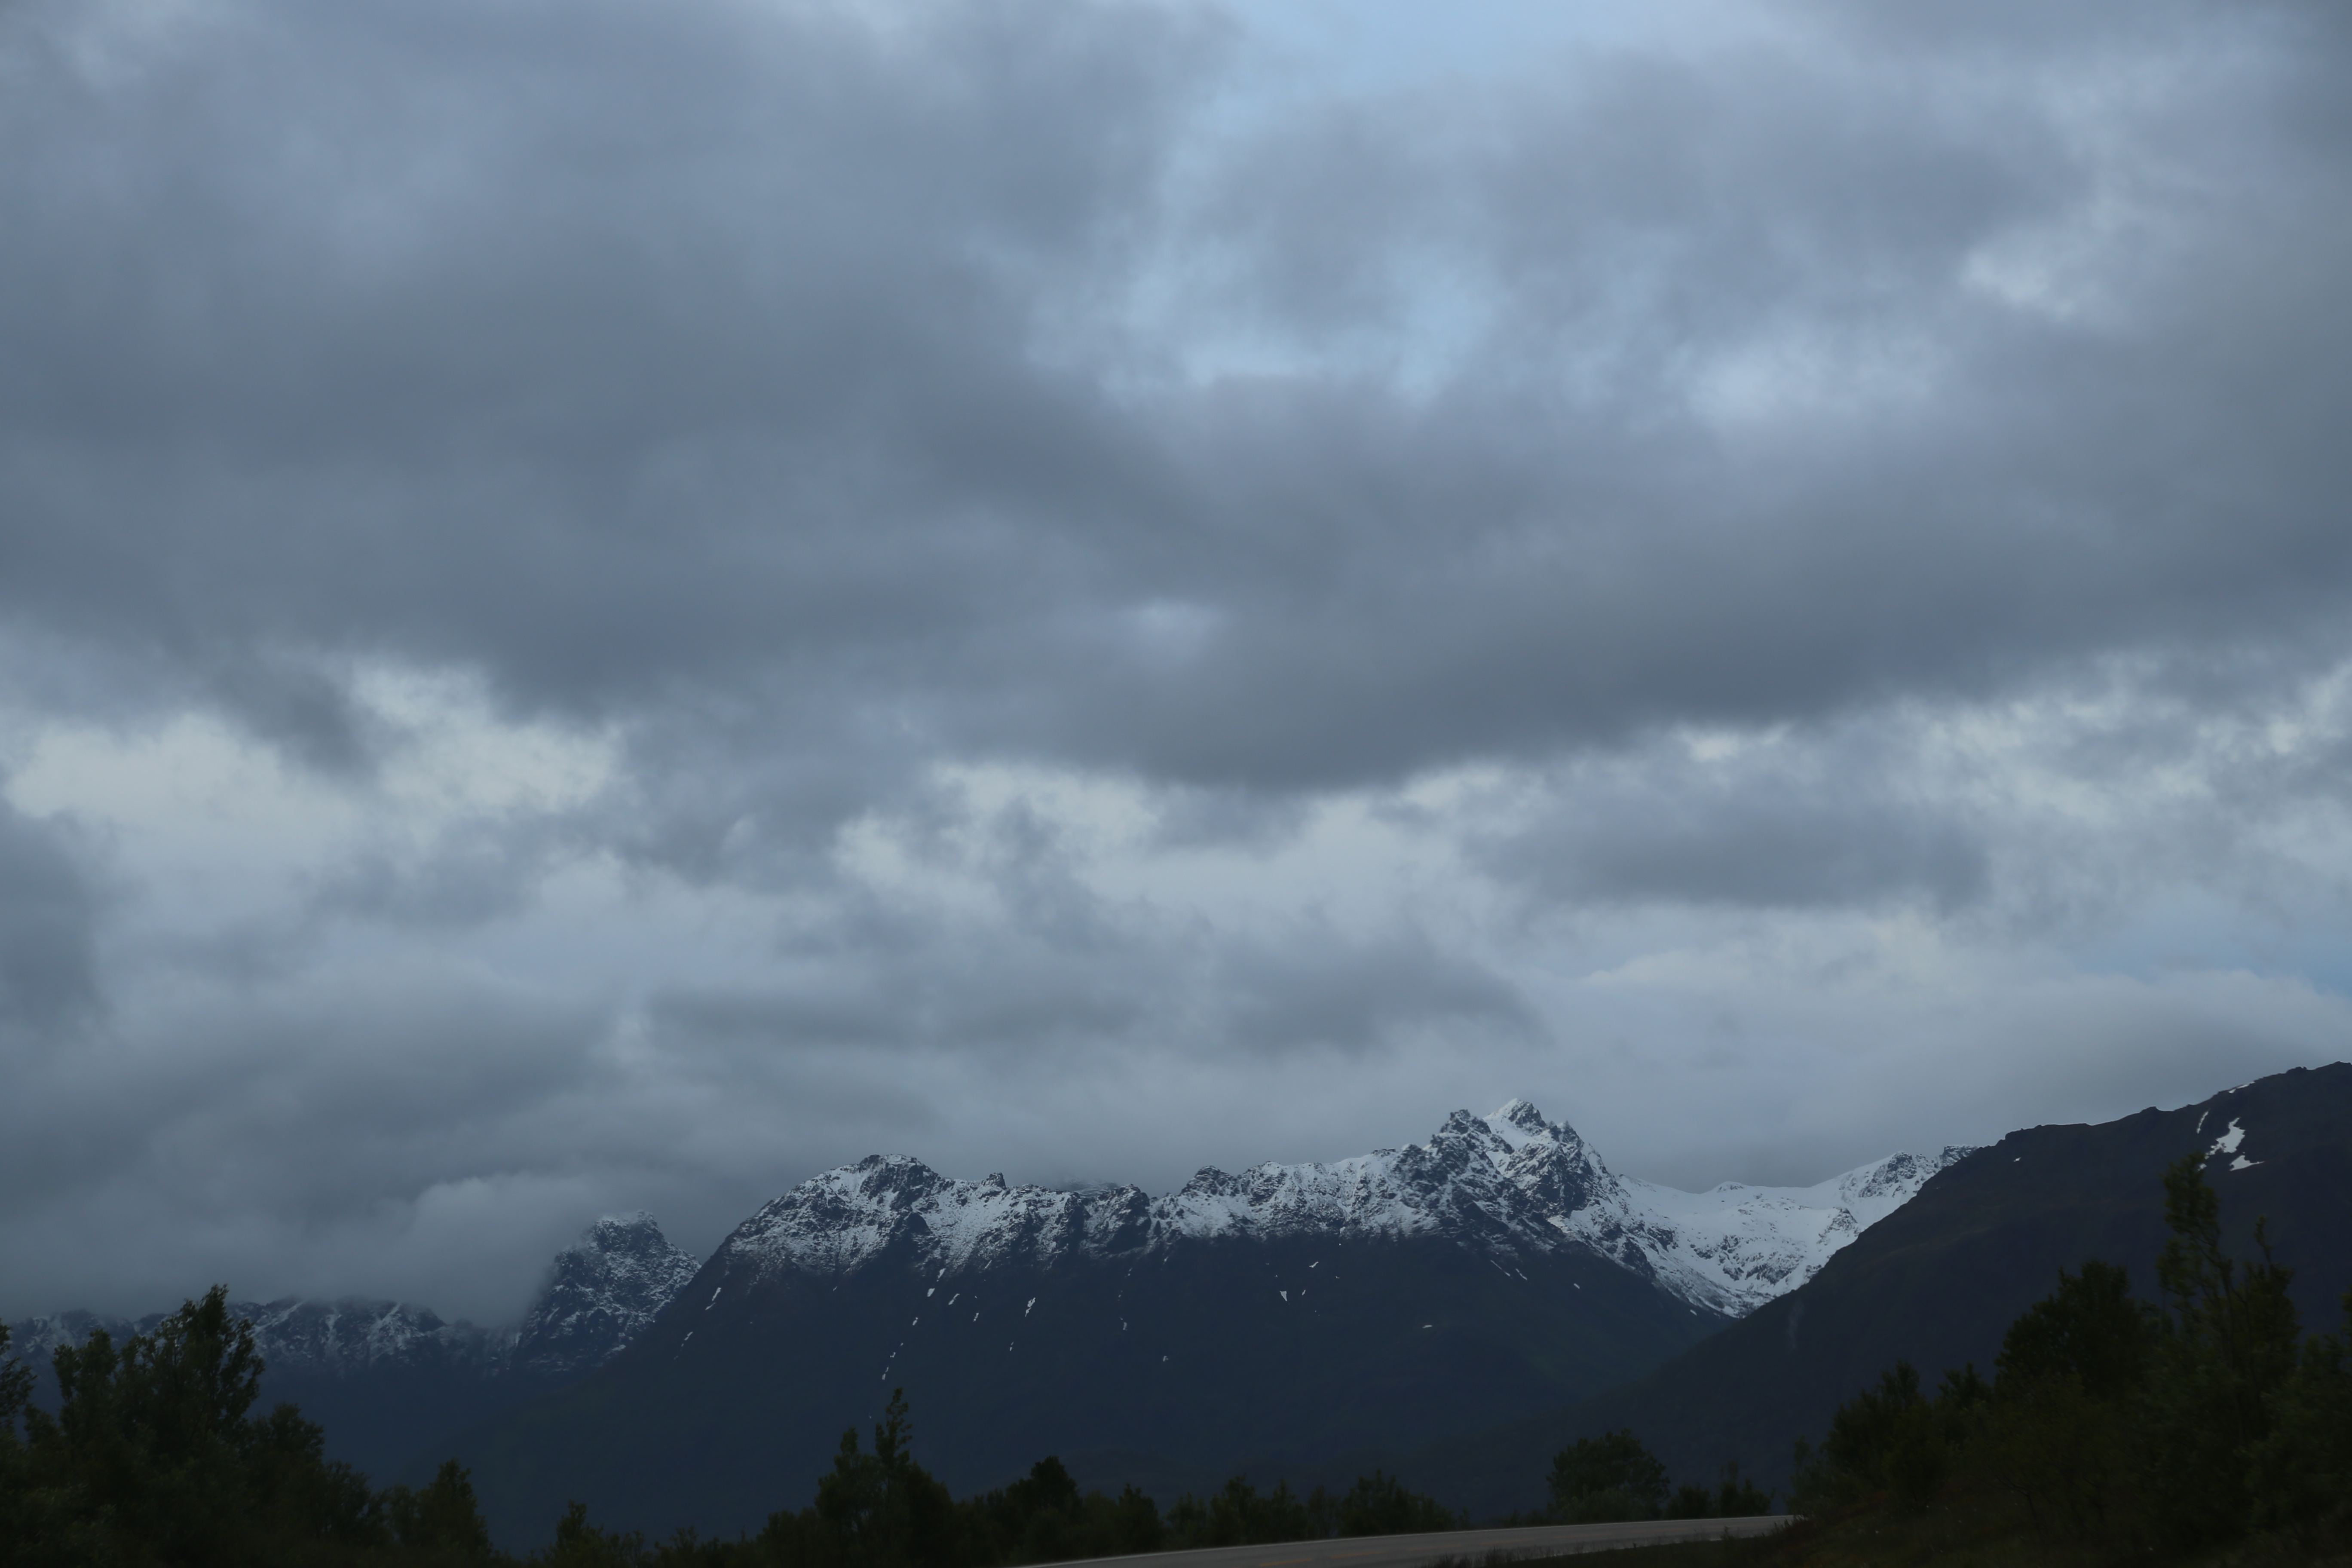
x: 646, y: 355
x: 990, y: 560
x: 1769, y: 841
x: 49, y: 917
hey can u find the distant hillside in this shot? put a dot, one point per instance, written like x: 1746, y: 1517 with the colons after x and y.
x: 1939, y: 1282
x: 391, y: 1382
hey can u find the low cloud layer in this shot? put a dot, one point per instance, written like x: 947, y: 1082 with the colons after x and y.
x: 606, y: 605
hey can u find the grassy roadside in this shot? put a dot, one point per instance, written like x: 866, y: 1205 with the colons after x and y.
x: 1928, y: 1538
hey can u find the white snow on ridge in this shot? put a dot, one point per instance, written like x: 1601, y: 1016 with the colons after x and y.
x: 1508, y: 1184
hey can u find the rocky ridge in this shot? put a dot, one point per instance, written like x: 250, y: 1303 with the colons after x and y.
x: 600, y: 1294
x: 1508, y: 1184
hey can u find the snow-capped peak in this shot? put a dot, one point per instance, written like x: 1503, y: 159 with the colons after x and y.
x: 600, y: 1293
x: 1503, y: 1183
x: 1518, y: 1123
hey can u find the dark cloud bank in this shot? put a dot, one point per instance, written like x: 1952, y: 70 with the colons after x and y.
x: 1728, y: 497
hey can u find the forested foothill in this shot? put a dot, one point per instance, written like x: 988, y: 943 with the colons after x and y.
x: 152, y: 1458
x: 2207, y: 1428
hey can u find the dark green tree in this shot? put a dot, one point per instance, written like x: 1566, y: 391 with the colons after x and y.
x: 883, y: 1510
x: 1732, y: 1497
x: 1611, y: 1477
x: 2300, y: 1475
x: 442, y: 1520
x: 1380, y: 1504
x: 17, y: 1505
x: 580, y: 1544
x: 2231, y: 1347
x: 147, y: 1451
x: 2090, y: 1330
x: 151, y: 1457
x: 2072, y: 1371
x: 1132, y: 1523
x: 1892, y: 1439
x: 309, y: 1500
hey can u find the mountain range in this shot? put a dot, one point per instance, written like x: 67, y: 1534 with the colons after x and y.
x: 1286, y: 1316
x: 1283, y: 1320
x: 1454, y: 1311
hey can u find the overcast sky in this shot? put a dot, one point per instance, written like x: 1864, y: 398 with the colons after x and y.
x: 606, y: 603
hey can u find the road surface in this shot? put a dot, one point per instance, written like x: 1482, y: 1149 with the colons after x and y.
x: 1415, y: 1550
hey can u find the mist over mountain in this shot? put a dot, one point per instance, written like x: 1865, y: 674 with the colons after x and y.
x: 389, y: 1380
x: 1280, y: 1318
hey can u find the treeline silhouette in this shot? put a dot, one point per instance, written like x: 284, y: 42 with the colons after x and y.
x: 2138, y: 1429
x: 151, y: 1457
x: 1613, y: 1477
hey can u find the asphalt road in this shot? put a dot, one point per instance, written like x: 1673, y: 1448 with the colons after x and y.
x: 1415, y: 1550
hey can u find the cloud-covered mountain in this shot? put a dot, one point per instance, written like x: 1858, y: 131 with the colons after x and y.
x: 600, y: 1294
x: 1501, y: 1247
x: 388, y: 1379
x: 1286, y: 1316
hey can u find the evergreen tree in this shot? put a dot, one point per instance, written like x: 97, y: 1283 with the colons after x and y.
x: 2072, y: 1373
x: 1609, y: 1478
x: 16, y: 1503
x: 1380, y: 1505
x: 2090, y: 1330
x: 2300, y: 1475
x: 580, y: 1544
x: 2230, y: 1348
x: 148, y: 1447
x: 1730, y: 1498
x: 443, y: 1520
x: 881, y: 1510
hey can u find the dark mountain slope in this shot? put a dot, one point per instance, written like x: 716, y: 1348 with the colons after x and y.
x: 1939, y: 1282
x: 1287, y: 1316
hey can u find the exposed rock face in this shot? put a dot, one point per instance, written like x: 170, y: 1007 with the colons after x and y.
x: 600, y: 1294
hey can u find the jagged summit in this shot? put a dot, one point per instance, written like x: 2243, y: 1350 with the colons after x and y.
x: 1506, y: 1184
x: 600, y: 1291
